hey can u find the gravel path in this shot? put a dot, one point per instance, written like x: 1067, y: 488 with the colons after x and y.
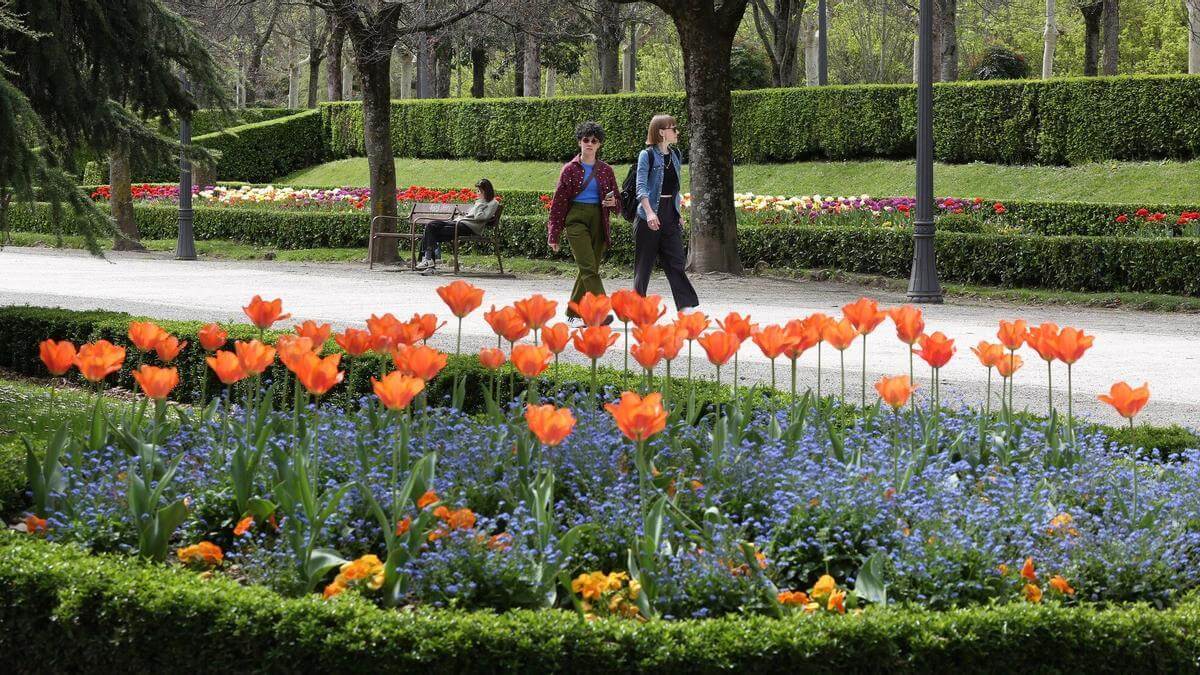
x: 1130, y: 345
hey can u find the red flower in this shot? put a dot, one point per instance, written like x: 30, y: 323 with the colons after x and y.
x: 1142, y: 213
x: 999, y: 208
x: 1122, y: 218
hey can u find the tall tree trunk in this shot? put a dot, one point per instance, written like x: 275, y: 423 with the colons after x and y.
x: 333, y: 66
x: 1112, y: 35
x: 551, y: 81
x: 706, y: 51
x: 424, y: 66
x: 479, y: 62
x: 948, y: 32
x: 629, y: 65
x: 778, y: 25
x: 533, y: 67
x: 121, y: 201
x: 348, y: 75
x: 608, y: 45
x: 314, y: 75
x: 1193, y: 12
x: 1091, y: 36
x: 443, y: 54
x: 519, y: 65
x: 293, y: 100
x: 1049, y: 40
x: 812, y: 77
x: 408, y: 68
x: 381, y: 163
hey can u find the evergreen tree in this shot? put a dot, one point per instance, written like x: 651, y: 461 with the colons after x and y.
x: 81, y: 77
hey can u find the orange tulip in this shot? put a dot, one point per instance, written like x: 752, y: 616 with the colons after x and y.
x: 97, y: 360
x: 156, y: 383
x: 774, y: 341
x: 1060, y: 584
x: 423, y: 326
x: 536, y: 310
x: 639, y: 418
x: 530, y: 360
x: 1044, y: 340
x: 319, y: 375
x: 1009, y: 365
x: 864, y: 314
x: 692, y: 324
x: 1032, y: 593
x: 227, y: 367
x: 1012, y: 334
x: 318, y: 333
x: 420, y: 361
x: 910, y: 323
x: 35, y: 525
x: 626, y: 304
x: 354, y: 341
x: 292, y: 348
x: 461, y: 297
x: 491, y: 358
x: 647, y: 353
x: 556, y: 337
x: 593, y: 309
x: 648, y: 310
x: 839, y: 334
x: 936, y: 349
x: 671, y: 342
x: 58, y: 356
x: 212, y: 337
x: 738, y: 326
x: 145, y: 334
x: 990, y: 354
x: 384, y: 330
x: 803, y: 338
x: 814, y: 324
x: 720, y: 346
x: 895, y: 391
x: 551, y: 425
x: 594, y: 341
x: 243, y: 526
x: 168, y: 348
x: 254, y: 356
x: 1072, y: 343
x: 264, y: 314
x: 1126, y: 400
x: 507, y: 323
x: 397, y: 390
x: 1028, y: 571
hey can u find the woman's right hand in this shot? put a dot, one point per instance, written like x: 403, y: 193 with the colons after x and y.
x: 554, y: 246
x: 652, y: 220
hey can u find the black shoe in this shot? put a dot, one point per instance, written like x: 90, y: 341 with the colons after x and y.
x: 607, y: 320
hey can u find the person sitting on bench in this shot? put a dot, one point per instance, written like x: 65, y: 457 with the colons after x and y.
x: 470, y: 223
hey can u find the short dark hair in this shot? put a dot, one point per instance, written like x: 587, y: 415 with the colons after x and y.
x: 589, y: 129
x: 486, y: 190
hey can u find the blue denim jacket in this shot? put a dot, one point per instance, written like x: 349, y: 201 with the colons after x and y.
x: 649, y: 180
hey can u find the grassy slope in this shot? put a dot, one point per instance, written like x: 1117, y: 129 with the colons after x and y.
x: 1155, y: 182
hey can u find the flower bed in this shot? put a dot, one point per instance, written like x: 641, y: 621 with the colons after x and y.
x: 637, y: 509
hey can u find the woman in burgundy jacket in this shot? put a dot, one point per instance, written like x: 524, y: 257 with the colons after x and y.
x: 584, y: 199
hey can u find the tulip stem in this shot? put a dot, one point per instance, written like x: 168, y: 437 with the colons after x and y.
x: 1049, y: 389
x: 842, y: 353
x: 625, y: 369
x: 772, y: 374
x: 818, y: 371
x: 458, y: 340
x: 1070, y: 407
x: 987, y: 405
x: 864, y: 372
x: 594, y: 398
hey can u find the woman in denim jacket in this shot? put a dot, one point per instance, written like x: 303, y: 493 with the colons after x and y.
x: 658, y: 232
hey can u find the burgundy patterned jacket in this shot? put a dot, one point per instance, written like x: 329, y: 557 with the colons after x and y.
x: 570, y: 184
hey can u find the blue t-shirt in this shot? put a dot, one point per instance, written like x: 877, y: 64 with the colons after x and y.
x: 591, y: 191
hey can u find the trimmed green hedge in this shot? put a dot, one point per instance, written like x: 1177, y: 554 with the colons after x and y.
x: 253, y: 152
x: 66, y: 610
x: 1060, y: 121
x: 1073, y: 263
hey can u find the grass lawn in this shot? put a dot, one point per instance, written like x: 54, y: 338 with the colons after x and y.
x: 231, y: 250
x: 1150, y: 182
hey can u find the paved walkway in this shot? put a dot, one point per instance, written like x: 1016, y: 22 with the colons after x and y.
x: 1135, y: 346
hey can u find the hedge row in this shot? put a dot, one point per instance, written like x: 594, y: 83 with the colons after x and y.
x: 255, y: 152
x: 66, y: 610
x: 1073, y: 263
x: 1060, y: 121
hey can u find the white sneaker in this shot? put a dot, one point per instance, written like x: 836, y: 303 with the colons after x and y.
x: 574, y: 321
x: 426, y: 263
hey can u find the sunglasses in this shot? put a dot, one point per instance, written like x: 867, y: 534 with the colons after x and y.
x: 669, y: 128
x: 589, y: 140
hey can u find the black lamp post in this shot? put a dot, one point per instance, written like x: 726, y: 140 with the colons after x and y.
x: 923, y: 283
x: 822, y: 45
x: 185, y: 243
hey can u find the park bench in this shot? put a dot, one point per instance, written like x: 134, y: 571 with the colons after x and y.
x: 423, y: 213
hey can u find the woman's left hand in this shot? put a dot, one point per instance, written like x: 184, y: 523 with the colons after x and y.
x: 610, y: 200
